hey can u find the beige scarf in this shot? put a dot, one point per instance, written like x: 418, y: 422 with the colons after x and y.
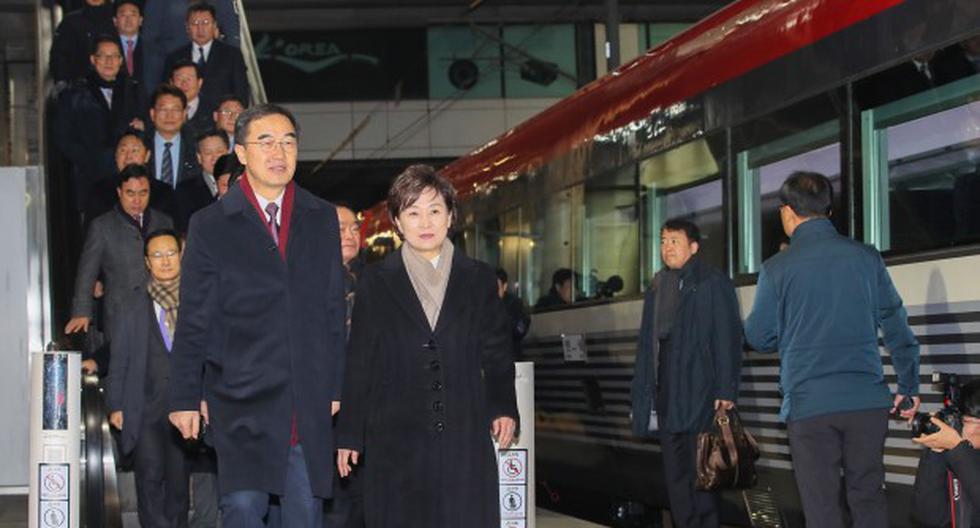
x: 167, y: 295
x: 429, y: 281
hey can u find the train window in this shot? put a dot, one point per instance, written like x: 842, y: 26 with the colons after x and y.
x: 554, y: 227
x: 505, y: 242
x: 922, y: 169
x: 682, y: 183
x: 761, y: 172
x: 611, y: 236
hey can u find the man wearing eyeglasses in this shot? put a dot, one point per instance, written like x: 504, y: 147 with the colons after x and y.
x: 229, y: 108
x: 262, y: 315
x: 139, y: 377
x: 173, y: 156
x: 221, y: 65
x: 90, y: 115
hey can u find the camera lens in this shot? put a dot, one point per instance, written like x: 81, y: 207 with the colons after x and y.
x: 922, y: 425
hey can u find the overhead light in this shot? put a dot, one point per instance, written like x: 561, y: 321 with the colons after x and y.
x: 539, y: 72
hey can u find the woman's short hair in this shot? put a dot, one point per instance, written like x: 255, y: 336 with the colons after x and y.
x: 411, y: 183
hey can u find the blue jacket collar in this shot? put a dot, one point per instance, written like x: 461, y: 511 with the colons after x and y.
x: 812, y: 228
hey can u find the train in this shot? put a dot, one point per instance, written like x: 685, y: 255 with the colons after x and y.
x: 878, y: 95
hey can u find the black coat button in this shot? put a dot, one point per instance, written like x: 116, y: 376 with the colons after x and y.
x: 440, y: 427
x: 434, y: 365
x: 437, y: 386
x: 437, y: 406
x: 431, y: 345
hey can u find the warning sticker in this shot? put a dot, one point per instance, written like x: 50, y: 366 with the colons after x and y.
x: 52, y: 482
x: 53, y: 514
x: 513, y: 466
x: 513, y: 502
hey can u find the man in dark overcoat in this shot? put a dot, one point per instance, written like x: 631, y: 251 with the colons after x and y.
x: 91, y: 115
x: 139, y: 375
x: 687, y: 365
x: 262, y: 316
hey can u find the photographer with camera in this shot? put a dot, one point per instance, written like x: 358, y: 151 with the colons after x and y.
x: 951, y: 462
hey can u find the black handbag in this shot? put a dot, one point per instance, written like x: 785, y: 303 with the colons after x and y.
x: 726, y: 455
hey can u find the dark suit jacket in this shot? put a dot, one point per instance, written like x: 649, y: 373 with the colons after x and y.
x: 136, y: 335
x: 224, y: 73
x: 138, y: 60
x: 418, y: 403
x: 113, y: 248
x: 73, y: 38
x: 269, y: 335
x: 203, y: 121
x: 163, y: 197
x: 190, y: 197
x: 86, y: 130
x: 164, y: 25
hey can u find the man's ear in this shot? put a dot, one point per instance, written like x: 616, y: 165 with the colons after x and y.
x: 695, y: 247
x: 240, y: 152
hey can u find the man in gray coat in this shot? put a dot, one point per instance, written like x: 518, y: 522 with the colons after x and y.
x: 114, y: 249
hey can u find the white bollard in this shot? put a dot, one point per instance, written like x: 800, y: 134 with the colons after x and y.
x: 516, y: 465
x: 55, y: 440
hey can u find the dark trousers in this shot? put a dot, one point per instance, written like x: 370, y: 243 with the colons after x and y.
x: 689, y: 508
x: 160, y: 467
x: 823, y: 447
x: 298, y: 508
x: 346, y: 508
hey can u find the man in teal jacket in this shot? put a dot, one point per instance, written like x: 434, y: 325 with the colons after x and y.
x: 820, y: 303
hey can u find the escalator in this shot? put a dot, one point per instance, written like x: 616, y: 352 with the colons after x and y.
x: 107, y: 494
x: 99, y: 482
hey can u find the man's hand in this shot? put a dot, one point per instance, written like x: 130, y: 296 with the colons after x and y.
x: 116, y: 419
x: 946, y: 438
x: 346, y: 457
x: 909, y: 413
x: 724, y: 404
x: 77, y: 324
x: 334, y: 408
x: 89, y: 366
x: 204, y: 412
x: 187, y: 422
x: 503, y: 431
x: 137, y: 123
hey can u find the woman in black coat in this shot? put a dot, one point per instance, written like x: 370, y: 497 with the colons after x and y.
x: 430, y: 375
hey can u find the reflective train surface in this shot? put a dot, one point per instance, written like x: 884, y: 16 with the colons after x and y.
x: 883, y: 96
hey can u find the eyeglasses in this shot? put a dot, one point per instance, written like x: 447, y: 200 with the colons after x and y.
x: 268, y: 145
x: 157, y: 255
x: 201, y: 22
x: 228, y: 113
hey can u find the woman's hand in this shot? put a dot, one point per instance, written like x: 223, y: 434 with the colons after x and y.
x: 346, y: 457
x: 503, y: 431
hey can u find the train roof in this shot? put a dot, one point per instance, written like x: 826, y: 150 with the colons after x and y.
x: 736, y: 39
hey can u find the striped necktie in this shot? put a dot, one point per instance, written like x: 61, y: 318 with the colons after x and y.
x: 167, y: 165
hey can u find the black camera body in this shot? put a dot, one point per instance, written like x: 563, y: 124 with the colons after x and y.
x: 950, y: 413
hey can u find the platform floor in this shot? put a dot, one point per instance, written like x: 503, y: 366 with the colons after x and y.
x: 13, y: 514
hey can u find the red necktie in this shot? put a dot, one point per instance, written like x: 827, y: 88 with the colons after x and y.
x: 129, y: 56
